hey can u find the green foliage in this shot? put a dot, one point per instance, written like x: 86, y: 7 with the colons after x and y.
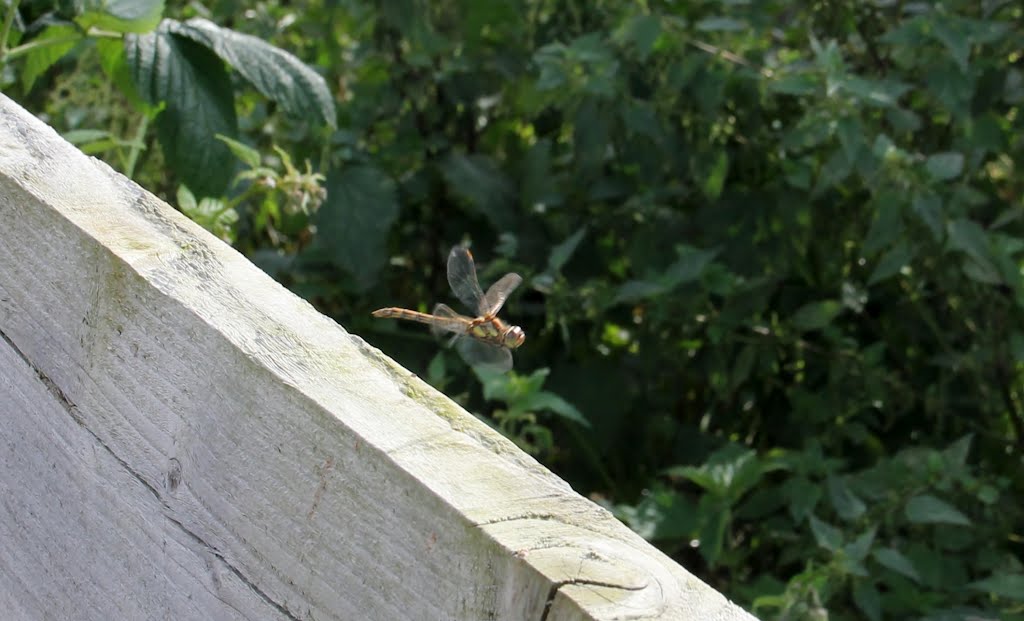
x: 772, y: 251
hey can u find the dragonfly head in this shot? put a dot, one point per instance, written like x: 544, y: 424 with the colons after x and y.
x: 513, y: 337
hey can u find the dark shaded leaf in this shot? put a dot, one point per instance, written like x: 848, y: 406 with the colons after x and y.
x: 191, y: 81
x: 355, y: 220
x: 927, y: 509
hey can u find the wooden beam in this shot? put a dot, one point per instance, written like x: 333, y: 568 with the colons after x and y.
x: 184, y: 438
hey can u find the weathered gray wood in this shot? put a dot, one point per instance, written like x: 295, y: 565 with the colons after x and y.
x: 182, y: 438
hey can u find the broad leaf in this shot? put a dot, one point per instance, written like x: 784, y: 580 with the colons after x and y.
x: 52, y: 44
x: 275, y: 73
x: 354, y: 221
x: 199, y: 105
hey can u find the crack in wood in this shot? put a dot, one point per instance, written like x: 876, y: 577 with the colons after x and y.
x: 72, y: 410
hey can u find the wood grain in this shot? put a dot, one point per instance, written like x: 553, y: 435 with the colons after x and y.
x: 183, y: 438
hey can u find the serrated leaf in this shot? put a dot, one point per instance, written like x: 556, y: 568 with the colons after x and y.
x: 125, y: 16
x: 927, y: 509
x: 477, y: 180
x: 355, y: 219
x: 894, y: 560
x: 51, y: 45
x: 275, y: 73
x: 945, y: 166
x: 816, y: 315
x: 826, y: 535
x: 1010, y: 586
x: 196, y: 89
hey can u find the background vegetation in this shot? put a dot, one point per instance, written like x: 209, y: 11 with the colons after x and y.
x: 772, y: 250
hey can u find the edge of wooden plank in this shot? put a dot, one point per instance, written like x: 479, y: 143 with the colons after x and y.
x: 485, y: 510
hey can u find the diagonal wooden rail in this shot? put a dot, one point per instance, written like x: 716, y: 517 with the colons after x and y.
x: 182, y: 438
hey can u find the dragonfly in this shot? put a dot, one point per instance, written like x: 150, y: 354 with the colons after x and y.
x: 483, y: 340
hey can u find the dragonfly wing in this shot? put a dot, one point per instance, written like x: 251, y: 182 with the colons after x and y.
x: 481, y: 354
x: 462, y: 278
x: 448, y: 320
x: 498, y: 293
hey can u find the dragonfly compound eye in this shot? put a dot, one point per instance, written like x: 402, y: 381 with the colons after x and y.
x: 514, y: 337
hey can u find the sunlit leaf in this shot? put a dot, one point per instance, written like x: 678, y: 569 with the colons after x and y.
x: 52, y: 44
x: 275, y: 73
x: 134, y: 16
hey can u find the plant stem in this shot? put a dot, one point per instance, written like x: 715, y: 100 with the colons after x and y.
x: 8, y: 22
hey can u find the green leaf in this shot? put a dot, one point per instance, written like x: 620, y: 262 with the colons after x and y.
x: 53, y: 43
x: 928, y: 207
x: 125, y: 16
x: 858, y: 549
x: 544, y: 401
x: 199, y: 105
x: 825, y: 535
x: 248, y: 155
x: 720, y: 24
x: 714, y: 522
x: 802, y: 496
x: 846, y: 504
x: 276, y: 74
x: 927, y: 509
x: 816, y: 315
x: 728, y: 473
x: 891, y: 262
x: 478, y: 181
x: 794, y: 83
x: 639, y: 32
x: 868, y: 599
x: 354, y: 221
x: 968, y: 237
x: 945, y: 166
x: 1010, y: 586
x: 561, y: 253
x: 715, y: 179
x: 893, y: 559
